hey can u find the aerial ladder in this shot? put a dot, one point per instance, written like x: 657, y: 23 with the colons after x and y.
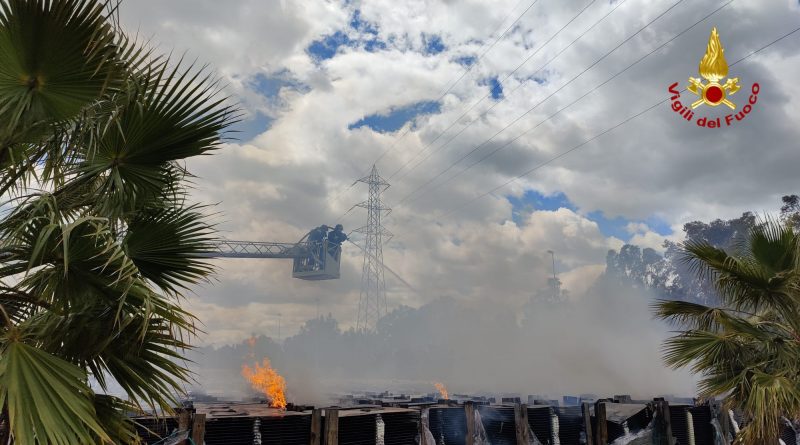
x: 312, y: 260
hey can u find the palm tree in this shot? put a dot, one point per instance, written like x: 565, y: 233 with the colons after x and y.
x: 747, y: 349
x: 98, y: 236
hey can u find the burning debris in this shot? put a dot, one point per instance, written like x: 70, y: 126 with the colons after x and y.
x: 442, y: 390
x: 265, y: 379
x: 401, y: 419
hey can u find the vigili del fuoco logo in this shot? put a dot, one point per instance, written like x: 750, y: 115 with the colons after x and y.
x: 711, y: 92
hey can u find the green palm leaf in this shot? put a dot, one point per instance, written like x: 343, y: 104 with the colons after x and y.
x: 55, y: 58
x: 167, y: 246
x: 172, y: 114
x: 112, y: 413
x: 748, y: 349
x: 90, y: 270
x: 48, y: 400
x: 147, y: 367
x: 142, y: 352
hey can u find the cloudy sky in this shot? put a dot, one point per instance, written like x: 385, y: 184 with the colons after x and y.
x: 454, y: 100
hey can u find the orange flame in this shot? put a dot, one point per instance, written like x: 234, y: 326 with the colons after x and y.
x: 714, y: 66
x: 442, y: 390
x: 265, y: 379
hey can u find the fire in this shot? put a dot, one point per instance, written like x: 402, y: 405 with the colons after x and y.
x: 442, y: 390
x: 265, y: 379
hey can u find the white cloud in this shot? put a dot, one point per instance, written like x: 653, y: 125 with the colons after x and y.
x: 293, y: 176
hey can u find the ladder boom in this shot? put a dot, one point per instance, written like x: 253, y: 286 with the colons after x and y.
x: 257, y: 249
x: 312, y: 260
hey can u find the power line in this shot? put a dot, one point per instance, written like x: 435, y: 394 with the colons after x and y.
x: 505, y: 96
x: 508, y: 143
x: 341, y: 217
x: 453, y: 164
x: 466, y: 71
x: 339, y: 195
x: 453, y: 84
x: 553, y: 159
x: 485, y: 112
x: 576, y: 147
x: 388, y: 269
x: 455, y: 121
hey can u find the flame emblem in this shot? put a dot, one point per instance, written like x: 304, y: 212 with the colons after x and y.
x: 713, y: 68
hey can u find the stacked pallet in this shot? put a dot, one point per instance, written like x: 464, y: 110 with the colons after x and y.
x: 499, y: 423
x: 540, y: 419
x: 448, y: 424
x: 399, y: 426
x: 570, y: 424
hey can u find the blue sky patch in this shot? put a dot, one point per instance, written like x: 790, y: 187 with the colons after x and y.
x: 270, y: 85
x: 250, y: 127
x: 495, y: 88
x: 539, y: 79
x: 616, y: 227
x: 466, y: 61
x: 367, y: 37
x: 433, y: 43
x: 394, y: 119
x: 361, y: 25
x: 374, y: 45
x: 533, y: 200
x: 659, y: 226
x: 326, y: 47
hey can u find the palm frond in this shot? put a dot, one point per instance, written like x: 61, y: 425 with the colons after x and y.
x: 48, y: 400
x: 747, y: 350
x: 167, y: 246
x: 55, y: 58
x: 685, y: 313
x: 147, y: 367
x: 743, y: 282
x: 96, y: 258
x: 175, y: 114
x: 772, y: 397
x: 113, y: 414
x: 702, y: 350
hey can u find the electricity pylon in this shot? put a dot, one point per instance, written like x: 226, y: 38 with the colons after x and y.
x: 372, y: 300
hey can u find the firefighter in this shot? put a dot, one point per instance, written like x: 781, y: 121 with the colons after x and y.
x: 335, y: 240
x: 316, y: 238
x: 318, y: 234
x: 337, y: 235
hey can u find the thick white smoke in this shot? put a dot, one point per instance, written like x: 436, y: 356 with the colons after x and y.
x: 603, y: 342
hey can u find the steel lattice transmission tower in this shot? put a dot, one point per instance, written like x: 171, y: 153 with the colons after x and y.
x: 372, y: 301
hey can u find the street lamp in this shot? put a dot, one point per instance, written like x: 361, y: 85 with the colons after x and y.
x: 553, y: 255
x: 555, y: 280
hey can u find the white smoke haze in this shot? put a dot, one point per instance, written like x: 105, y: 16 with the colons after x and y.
x: 603, y: 342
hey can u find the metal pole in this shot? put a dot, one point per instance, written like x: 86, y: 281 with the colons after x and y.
x: 555, y: 280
